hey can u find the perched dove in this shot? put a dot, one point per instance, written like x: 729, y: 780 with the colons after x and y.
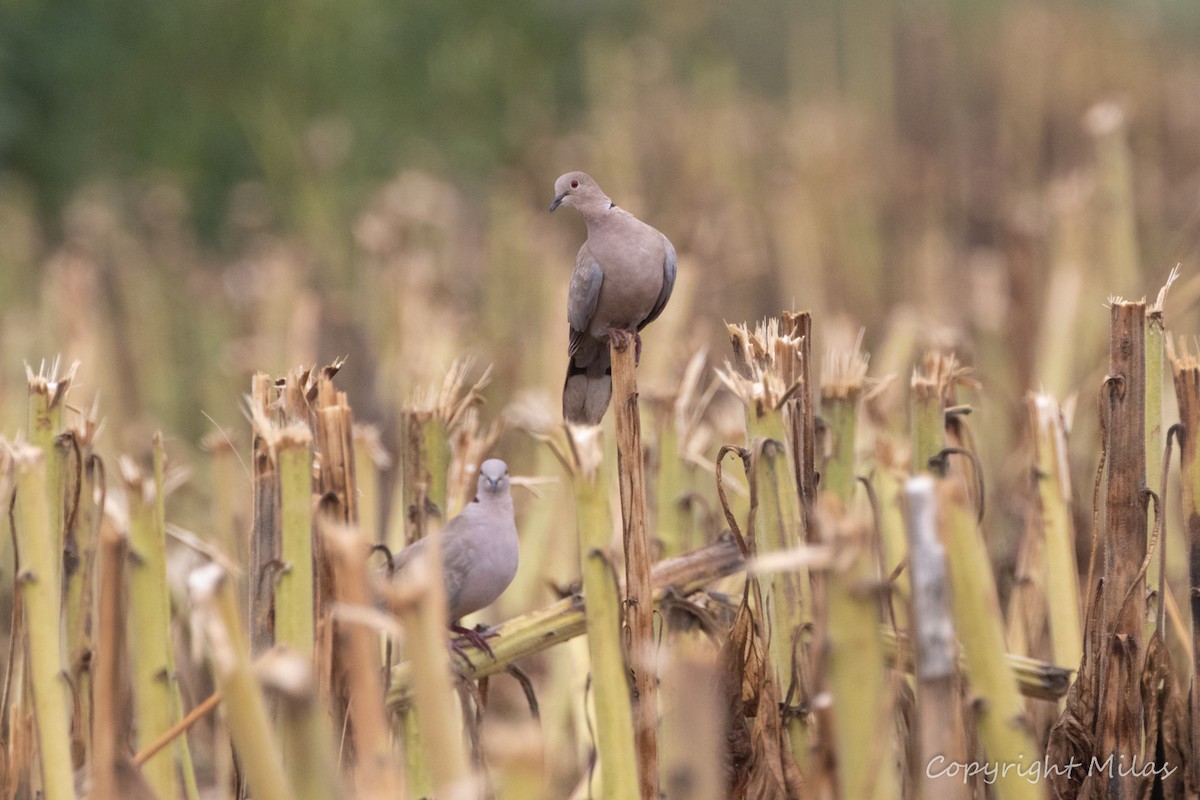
x: 479, y: 548
x: 623, y: 277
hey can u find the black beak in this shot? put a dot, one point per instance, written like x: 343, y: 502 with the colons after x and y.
x: 558, y: 201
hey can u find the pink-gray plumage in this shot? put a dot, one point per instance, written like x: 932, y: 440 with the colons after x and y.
x: 623, y: 278
x: 479, y: 546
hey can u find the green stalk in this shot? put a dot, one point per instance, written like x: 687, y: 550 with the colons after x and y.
x: 46, y: 400
x: 780, y: 528
x: 437, y: 462
x: 840, y: 412
x: 109, y: 722
x: 41, y: 593
x: 787, y: 595
x: 246, y: 713
x: 1027, y: 613
x: 81, y: 595
x: 1114, y: 207
x: 304, y: 729
x: 1066, y: 339
x: 1061, y: 582
x: 376, y: 770
x: 777, y: 530
x: 191, y: 790
x: 889, y: 488
x: 998, y: 708
x: 857, y: 677
x: 928, y: 420
x: 225, y: 488
x: 671, y: 520
x: 543, y: 553
x: 150, y: 622
x: 614, y: 713
x: 422, y: 611
x: 416, y: 476
x: 294, y: 593
x: 771, y: 374
x: 369, y: 459
x: 418, y: 774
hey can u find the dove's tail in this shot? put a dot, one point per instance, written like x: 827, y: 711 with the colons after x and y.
x: 588, y: 386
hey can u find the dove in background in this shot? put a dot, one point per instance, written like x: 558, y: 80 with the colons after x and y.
x: 479, y: 550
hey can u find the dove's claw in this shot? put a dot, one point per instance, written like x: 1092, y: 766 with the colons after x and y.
x: 477, y: 636
x: 458, y: 650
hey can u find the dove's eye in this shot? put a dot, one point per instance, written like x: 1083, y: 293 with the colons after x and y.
x: 574, y: 184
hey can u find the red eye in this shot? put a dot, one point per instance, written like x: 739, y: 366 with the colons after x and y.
x: 574, y: 184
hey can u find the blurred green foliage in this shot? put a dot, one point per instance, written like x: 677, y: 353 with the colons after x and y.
x: 217, y: 91
x: 212, y: 92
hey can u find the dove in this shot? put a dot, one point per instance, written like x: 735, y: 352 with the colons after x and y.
x: 479, y: 550
x: 623, y: 278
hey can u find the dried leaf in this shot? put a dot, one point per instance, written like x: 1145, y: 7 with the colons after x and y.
x: 1071, y: 738
x: 1166, y: 742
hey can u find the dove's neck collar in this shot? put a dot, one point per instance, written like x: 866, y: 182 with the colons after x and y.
x: 599, y: 215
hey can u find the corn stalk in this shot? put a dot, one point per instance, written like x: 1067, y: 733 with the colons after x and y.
x: 305, y: 738
x: 615, y: 740
x: 940, y: 731
x: 246, y: 712
x: 639, y: 605
x: 1155, y: 352
x: 1185, y: 369
x: 860, y: 685
x: 291, y: 448
x: 980, y: 625
x: 1057, y: 529
x: 152, y: 660
x: 1122, y: 600
x: 421, y: 607
x: 41, y: 594
x: 110, y: 665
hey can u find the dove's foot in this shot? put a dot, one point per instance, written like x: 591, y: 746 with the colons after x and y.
x: 457, y: 648
x: 477, y: 636
x: 622, y: 337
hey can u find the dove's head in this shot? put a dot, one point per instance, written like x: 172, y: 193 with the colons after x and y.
x: 578, y: 190
x: 493, y: 479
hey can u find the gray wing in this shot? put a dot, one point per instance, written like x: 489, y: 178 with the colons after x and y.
x: 450, y: 531
x: 458, y: 558
x: 668, y: 284
x: 583, y: 296
x: 401, y: 560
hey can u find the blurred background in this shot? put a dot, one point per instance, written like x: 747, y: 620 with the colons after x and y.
x: 193, y: 191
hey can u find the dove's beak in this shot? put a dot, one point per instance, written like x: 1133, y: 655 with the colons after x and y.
x: 557, y: 201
